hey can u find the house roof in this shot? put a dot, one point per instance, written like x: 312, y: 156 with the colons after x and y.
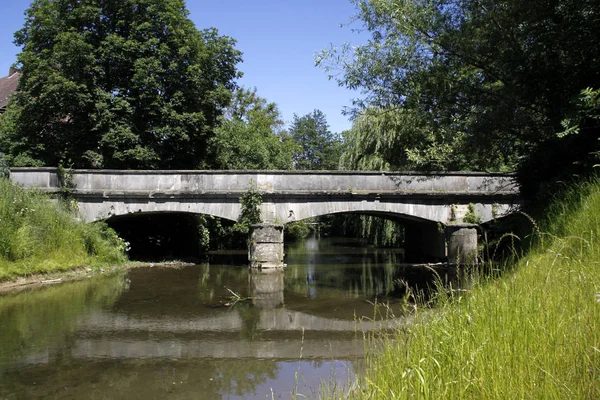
x: 8, y: 85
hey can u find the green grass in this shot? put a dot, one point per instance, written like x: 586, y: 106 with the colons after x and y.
x: 533, y: 332
x: 40, y: 236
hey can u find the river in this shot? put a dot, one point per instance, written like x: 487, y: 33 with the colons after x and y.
x: 209, y: 331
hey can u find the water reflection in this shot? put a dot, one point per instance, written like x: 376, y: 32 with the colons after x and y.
x: 266, y: 288
x: 169, y: 332
x: 35, y: 323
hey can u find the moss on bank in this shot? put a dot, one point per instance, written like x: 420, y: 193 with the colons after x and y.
x: 532, y: 333
x: 41, y: 236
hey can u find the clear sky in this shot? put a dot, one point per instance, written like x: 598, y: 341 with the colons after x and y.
x: 279, y: 39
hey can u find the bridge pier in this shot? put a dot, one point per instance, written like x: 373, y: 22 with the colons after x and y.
x: 462, y: 243
x: 265, y: 246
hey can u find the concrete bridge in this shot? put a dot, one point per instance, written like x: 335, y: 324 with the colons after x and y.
x: 421, y: 200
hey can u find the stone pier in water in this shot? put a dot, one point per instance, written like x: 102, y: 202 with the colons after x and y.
x: 461, y: 244
x: 265, y: 246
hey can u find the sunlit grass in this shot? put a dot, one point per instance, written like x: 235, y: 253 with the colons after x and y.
x: 40, y: 236
x: 532, y: 333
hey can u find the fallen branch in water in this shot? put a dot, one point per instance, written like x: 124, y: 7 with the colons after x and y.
x: 235, y: 298
x: 49, y: 281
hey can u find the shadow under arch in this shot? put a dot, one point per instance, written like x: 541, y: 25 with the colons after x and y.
x: 164, y: 235
x: 422, y: 239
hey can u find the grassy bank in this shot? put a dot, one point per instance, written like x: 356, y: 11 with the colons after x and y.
x: 40, y: 236
x: 532, y: 333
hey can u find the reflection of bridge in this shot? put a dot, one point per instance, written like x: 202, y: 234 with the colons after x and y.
x: 285, y: 334
x: 276, y: 319
x: 422, y: 200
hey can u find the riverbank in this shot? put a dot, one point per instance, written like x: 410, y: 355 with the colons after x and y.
x: 40, y: 236
x: 37, y: 281
x: 533, y: 332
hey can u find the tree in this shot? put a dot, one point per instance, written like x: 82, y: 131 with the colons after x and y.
x: 483, y: 84
x: 251, y: 135
x: 317, y: 148
x: 117, y: 84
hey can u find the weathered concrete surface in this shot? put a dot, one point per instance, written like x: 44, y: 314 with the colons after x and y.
x: 462, y: 243
x: 287, y: 195
x: 272, y: 181
x: 265, y: 247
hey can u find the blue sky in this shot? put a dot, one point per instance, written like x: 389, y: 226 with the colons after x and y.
x: 279, y: 39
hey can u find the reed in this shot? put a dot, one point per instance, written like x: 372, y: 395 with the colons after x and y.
x: 533, y: 332
x: 38, y: 235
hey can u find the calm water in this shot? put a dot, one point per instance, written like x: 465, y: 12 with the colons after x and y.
x: 176, y: 332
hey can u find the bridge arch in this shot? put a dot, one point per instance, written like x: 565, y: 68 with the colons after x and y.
x: 425, y: 211
x: 296, y: 211
x: 114, y: 206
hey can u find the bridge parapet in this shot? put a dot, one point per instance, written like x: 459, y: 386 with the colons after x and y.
x: 273, y: 181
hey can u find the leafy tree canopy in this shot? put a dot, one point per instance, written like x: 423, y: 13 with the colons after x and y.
x: 469, y: 84
x: 117, y: 84
x: 317, y: 148
x: 251, y: 135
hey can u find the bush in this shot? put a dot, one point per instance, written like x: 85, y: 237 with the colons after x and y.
x: 297, y: 230
x: 40, y: 235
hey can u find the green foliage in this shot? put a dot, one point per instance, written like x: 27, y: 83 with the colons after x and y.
x: 396, y: 139
x: 532, y: 333
x: 297, y: 230
x: 66, y: 184
x: 251, y: 135
x: 471, y: 216
x: 375, y: 230
x: 37, y: 235
x: 120, y: 84
x: 250, y: 213
x: 316, y: 147
x: 4, y: 170
x: 495, y: 210
x: 452, y: 213
x: 470, y: 84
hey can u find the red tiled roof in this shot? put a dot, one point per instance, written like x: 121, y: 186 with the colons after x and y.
x: 8, y: 85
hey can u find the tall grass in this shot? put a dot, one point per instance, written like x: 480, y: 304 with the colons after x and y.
x: 38, y: 236
x: 532, y: 333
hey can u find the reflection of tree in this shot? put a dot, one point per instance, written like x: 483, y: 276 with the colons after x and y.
x: 36, y: 320
x: 250, y: 321
x: 365, y: 280
x: 185, y: 292
x: 351, y: 272
x: 158, y: 379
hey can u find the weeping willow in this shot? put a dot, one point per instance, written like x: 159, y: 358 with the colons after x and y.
x: 376, y: 230
x: 403, y: 138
